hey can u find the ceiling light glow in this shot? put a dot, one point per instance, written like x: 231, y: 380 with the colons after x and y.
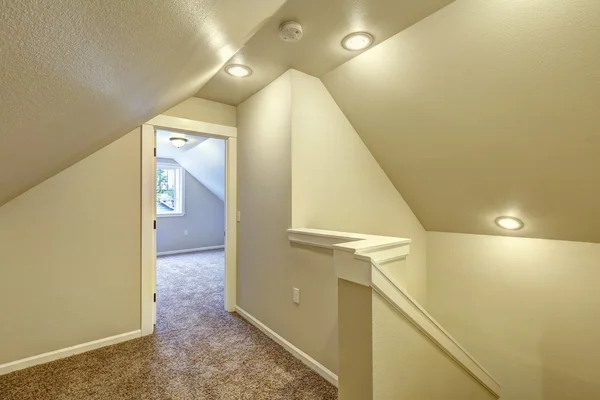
x: 178, y: 141
x: 510, y: 223
x: 357, y: 41
x: 238, y: 70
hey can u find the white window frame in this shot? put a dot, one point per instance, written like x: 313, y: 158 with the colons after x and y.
x: 165, y: 165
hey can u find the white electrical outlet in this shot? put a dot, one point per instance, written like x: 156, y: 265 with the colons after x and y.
x: 185, y: 232
x: 296, y: 295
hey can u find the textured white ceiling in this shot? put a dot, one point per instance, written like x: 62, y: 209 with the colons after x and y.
x: 325, y: 24
x: 487, y: 108
x: 76, y: 75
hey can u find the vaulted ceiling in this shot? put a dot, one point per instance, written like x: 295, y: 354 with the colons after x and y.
x: 479, y: 110
x: 78, y: 75
x: 325, y: 24
x: 474, y: 109
x: 487, y: 108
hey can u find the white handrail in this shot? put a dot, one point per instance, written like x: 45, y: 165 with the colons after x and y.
x: 383, y: 284
x: 371, y: 250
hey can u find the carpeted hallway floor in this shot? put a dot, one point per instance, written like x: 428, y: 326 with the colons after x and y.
x: 199, y: 352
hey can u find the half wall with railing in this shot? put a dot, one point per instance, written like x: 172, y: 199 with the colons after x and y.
x: 389, y: 346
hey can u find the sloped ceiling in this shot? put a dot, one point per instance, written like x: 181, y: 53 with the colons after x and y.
x: 487, y: 108
x: 78, y: 75
x: 164, y: 148
x: 325, y: 24
x: 202, y: 157
x: 206, y: 163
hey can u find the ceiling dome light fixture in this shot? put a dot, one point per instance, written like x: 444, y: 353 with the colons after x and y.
x: 357, y: 41
x: 238, y: 70
x: 510, y: 223
x: 178, y: 141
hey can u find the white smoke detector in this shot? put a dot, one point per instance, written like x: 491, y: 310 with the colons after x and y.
x: 290, y: 31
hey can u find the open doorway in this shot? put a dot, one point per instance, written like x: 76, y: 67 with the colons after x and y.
x: 190, y: 228
x: 188, y: 221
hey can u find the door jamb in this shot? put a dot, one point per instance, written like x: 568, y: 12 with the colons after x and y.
x: 148, y: 193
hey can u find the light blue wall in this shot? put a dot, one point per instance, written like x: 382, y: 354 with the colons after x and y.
x: 204, y: 220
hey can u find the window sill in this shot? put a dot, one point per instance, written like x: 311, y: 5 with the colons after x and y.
x: 170, y: 215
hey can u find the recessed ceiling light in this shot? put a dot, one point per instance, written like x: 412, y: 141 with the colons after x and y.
x: 357, y: 41
x: 178, y: 141
x: 238, y: 70
x: 510, y: 223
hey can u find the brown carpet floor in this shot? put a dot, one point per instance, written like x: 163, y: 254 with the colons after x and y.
x: 199, y: 351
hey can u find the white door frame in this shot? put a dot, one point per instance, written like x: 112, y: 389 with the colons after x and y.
x: 148, y: 279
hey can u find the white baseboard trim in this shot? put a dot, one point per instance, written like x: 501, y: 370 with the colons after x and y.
x: 69, y: 351
x: 171, y: 252
x: 296, y: 352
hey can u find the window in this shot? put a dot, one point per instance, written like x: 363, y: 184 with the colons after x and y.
x: 169, y: 190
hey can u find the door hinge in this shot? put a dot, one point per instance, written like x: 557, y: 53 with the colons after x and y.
x: 154, y: 224
x: 155, y: 297
x: 155, y: 152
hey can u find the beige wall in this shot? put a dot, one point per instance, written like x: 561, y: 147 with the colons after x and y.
x: 383, y: 356
x: 70, y: 255
x: 355, y: 341
x: 408, y: 365
x: 70, y: 248
x: 301, y: 164
x: 338, y: 185
x: 525, y: 308
x: 268, y: 266
x: 204, y: 110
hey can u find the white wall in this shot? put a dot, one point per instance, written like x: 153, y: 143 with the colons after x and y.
x: 70, y: 255
x: 204, y: 220
x: 338, y: 185
x: 525, y: 308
